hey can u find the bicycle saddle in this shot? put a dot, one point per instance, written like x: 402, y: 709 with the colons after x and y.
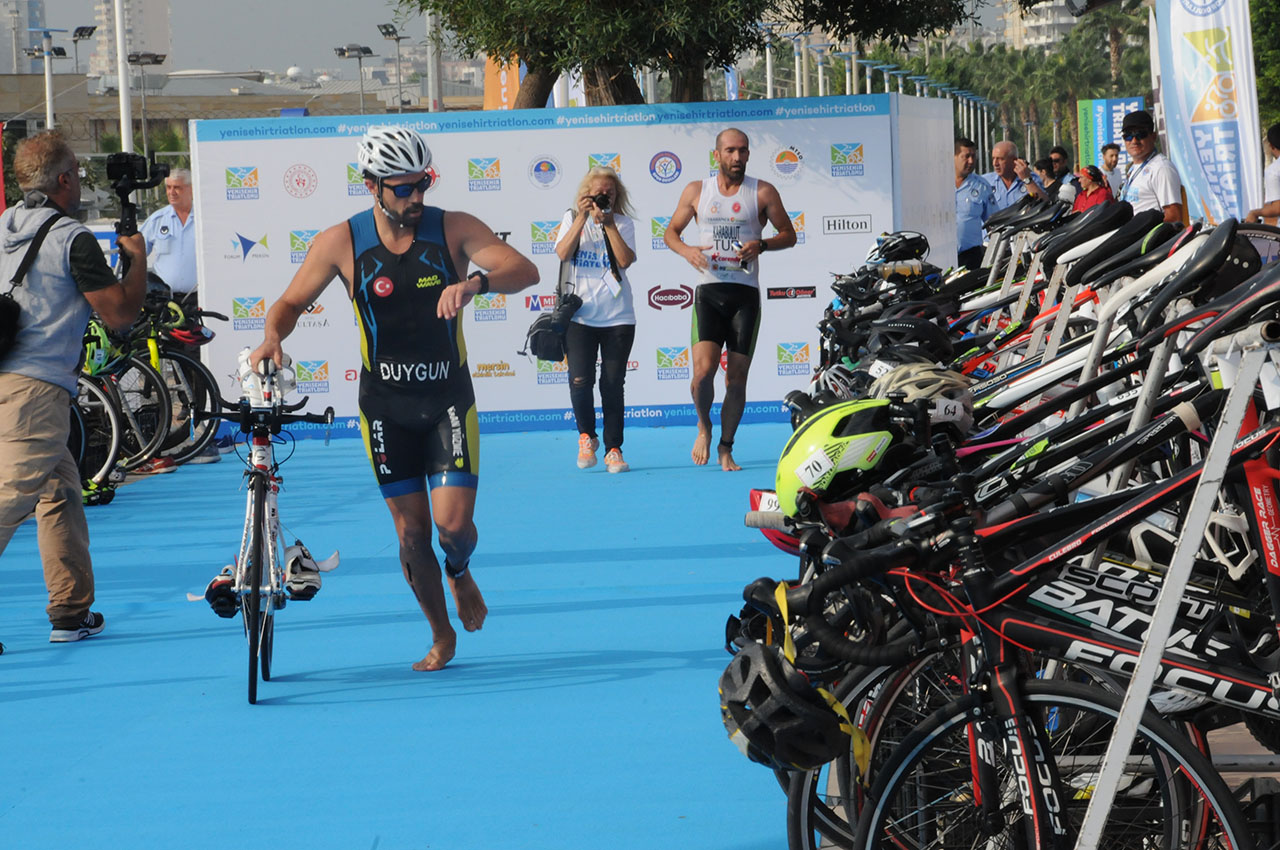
x: 1052, y: 215
x: 1003, y: 217
x: 1203, y: 264
x: 1095, y: 222
x: 1234, y: 310
x: 1122, y: 246
x: 1065, y: 226
x: 1150, y: 259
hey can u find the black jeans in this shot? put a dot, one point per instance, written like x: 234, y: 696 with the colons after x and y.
x: 613, y: 344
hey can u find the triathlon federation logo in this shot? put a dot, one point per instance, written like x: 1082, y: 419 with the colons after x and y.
x: 300, y: 180
x: 787, y: 162
x: 248, y: 314
x: 846, y: 159
x: 543, y: 235
x: 544, y: 172
x: 355, y: 180
x: 793, y: 358
x: 312, y: 376
x: 657, y: 227
x: 490, y: 307
x: 538, y: 303
x: 484, y: 174
x: 242, y: 183
x: 553, y: 373
x: 673, y: 363
x: 300, y: 243
x: 242, y: 248
x: 605, y: 160
x: 665, y: 167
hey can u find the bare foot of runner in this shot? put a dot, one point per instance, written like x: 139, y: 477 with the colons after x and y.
x: 727, y: 463
x: 470, y: 604
x: 441, y: 654
x: 701, y: 448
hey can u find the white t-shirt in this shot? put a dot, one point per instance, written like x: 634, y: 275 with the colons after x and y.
x: 1152, y: 184
x: 605, y: 301
x: 1115, y: 179
x: 1271, y: 182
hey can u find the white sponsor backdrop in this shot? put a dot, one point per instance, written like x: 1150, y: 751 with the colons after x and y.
x: 265, y: 187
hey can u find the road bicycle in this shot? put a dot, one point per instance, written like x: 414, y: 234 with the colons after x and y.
x: 264, y: 577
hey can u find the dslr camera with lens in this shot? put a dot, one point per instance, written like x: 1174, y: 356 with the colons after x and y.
x: 129, y: 172
x: 601, y: 201
x: 568, y: 304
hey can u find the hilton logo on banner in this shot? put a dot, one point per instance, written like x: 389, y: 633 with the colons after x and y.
x: 671, y: 296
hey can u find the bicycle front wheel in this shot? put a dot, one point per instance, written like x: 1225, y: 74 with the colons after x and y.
x: 1171, y: 797
x: 193, y: 391
x: 251, y: 597
x: 144, y: 408
x: 95, y: 432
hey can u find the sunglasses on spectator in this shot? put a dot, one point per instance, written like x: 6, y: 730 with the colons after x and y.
x: 405, y: 190
x: 1136, y: 135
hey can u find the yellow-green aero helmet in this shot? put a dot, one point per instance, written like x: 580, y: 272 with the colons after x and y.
x: 832, y: 450
x: 100, y: 352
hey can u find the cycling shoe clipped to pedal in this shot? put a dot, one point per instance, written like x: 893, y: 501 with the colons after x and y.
x: 221, y: 594
x: 302, y: 572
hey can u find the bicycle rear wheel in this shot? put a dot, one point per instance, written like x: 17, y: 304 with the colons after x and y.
x: 193, y: 391
x: 144, y: 408
x: 251, y: 598
x: 267, y: 644
x: 1171, y: 797
x: 96, y: 427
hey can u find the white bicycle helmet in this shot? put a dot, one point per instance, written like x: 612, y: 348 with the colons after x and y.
x: 953, y: 402
x: 386, y: 151
x: 836, y: 379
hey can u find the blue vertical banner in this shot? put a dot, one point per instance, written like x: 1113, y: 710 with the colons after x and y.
x: 1210, y: 99
x: 730, y: 82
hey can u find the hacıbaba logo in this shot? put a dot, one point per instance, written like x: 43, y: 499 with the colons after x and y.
x: 680, y: 297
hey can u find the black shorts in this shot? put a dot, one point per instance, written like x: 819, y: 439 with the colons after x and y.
x: 727, y: 314
x: 414, y: 442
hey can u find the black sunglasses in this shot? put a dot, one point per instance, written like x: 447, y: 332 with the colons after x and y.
x: 405, y: 190
x: 1136, y: 135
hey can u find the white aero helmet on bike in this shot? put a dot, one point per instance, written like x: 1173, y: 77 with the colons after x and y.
x: 953, y: 402
x: 837, y: 379
x: 386, y: 151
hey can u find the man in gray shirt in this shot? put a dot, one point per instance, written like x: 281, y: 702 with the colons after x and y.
x: 68, y: 278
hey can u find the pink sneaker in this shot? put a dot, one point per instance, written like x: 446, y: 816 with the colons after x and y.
x: 587, y: 451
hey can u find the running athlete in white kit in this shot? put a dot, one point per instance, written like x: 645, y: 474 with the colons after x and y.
x: 731, y: 209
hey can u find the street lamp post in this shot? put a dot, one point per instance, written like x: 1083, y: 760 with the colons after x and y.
x: 390, y: 34
x: 48, y: 51
x: 142, y: 60
x: 78, y: 35
x: 821, y: 50
x: 886, y: 70
x: 358, y: 52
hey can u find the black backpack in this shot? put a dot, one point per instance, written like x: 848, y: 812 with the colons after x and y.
x: 542, y: 340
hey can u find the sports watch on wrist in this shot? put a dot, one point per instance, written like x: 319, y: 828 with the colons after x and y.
x: 484, y: 281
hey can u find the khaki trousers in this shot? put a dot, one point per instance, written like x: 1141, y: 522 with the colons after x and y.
x: 38, y: 475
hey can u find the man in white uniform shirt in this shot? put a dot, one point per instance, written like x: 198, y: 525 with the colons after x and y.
x: 731, y: 209
x: 1152, y: 183
x: 1270, y: 181
x: 171, y: 239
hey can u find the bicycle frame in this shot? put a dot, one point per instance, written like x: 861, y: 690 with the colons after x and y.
x: 271, y: 587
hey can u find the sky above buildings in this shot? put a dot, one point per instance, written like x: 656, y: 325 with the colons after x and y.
x: 235, y: 35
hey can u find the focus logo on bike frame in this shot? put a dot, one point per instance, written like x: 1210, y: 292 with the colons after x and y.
x: 671, y: 296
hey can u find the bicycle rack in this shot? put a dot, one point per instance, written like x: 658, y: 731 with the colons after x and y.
x: 1256, y: 349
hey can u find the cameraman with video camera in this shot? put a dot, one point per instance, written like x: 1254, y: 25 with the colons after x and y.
x: 596, y: 245
x: 56, y: 275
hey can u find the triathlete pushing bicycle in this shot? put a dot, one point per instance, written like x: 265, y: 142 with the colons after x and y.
x: 400, y: 262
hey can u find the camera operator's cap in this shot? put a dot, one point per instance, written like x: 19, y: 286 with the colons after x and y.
x: 387, y: 150
x: 1139, y: 120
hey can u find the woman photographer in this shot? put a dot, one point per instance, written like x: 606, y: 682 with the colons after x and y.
x: 597, y: 242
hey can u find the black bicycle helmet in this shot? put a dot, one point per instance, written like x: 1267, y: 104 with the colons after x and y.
x: 910, y: 331
x: 774, y: 715
x: 899, y: 246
